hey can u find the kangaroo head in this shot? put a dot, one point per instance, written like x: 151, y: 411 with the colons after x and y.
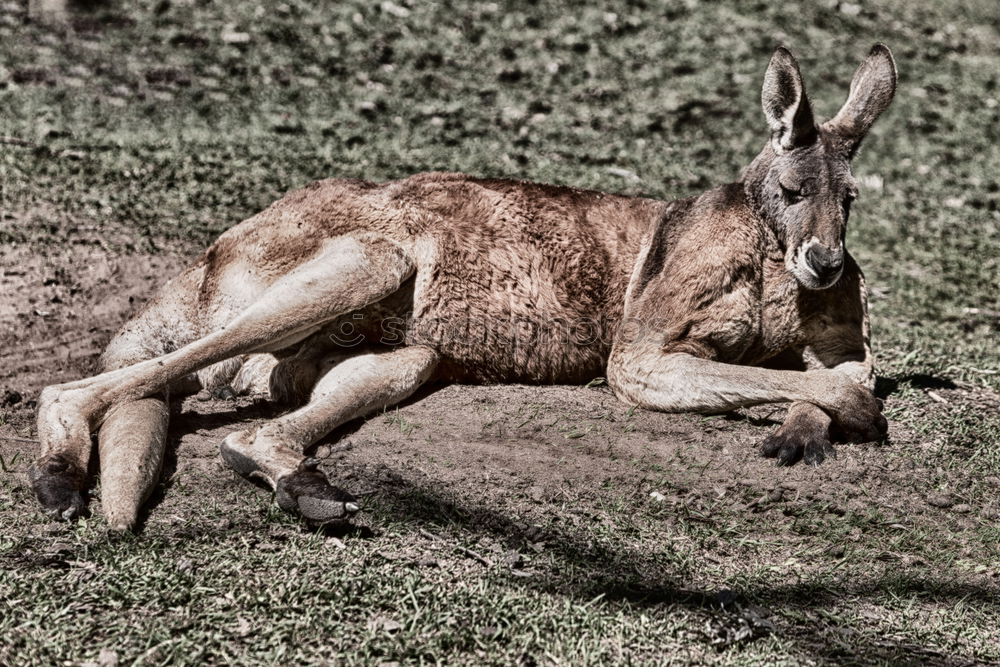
x: 801, y: 182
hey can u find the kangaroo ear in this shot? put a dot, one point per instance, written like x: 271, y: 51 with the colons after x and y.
x: 785, y: 103
x: 871, y: 92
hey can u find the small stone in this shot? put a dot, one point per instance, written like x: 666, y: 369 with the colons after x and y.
x: 657, y: 496
x: 390, y: 625
x: 513, y: 559
x: 243, y: 627
x: 393, y: 9
x: 941, y: 500
x: 107, y: 658
x: 235, y: 37
x: 962, y: 508
x: 625, y: 174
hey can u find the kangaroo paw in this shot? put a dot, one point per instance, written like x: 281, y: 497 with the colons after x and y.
x: 790, y: 448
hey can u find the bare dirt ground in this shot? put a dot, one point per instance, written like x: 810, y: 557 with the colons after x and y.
x: 58, y: 309
x: 523, y: 447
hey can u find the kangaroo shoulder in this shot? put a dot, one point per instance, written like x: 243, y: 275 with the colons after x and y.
x: 722, y: 223
x: 701, y: 245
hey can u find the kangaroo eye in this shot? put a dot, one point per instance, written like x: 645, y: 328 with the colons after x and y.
x: 791, y: 196
x: 847, y: 206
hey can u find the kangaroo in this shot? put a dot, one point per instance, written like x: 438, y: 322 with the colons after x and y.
x: 348, y: 295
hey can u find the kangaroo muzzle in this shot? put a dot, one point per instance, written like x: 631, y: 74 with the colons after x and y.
x: 816, y: 265
x: 825, y: 262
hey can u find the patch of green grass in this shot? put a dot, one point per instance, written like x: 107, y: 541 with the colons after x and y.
x: 395, y: 420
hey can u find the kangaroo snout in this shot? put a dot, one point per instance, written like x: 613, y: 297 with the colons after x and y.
x: 817, y: 265
x: 825, y: 262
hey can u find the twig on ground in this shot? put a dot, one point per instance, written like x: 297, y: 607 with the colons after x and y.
x: 27, y: 440
x: 475, y: 556
x: 937, y: 397
x: 464, y: 550
x: 429, y: 535
x: 983, y: 312
x: 16, y: 141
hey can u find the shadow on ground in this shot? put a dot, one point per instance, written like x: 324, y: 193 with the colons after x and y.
x: 732, y: 616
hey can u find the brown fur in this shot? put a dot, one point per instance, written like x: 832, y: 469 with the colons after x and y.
x: 364, y: 291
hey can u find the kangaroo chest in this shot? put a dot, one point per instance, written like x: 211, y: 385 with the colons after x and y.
x: 782, y: 325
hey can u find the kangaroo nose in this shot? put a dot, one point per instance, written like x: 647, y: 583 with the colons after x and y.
x: 824, y: 261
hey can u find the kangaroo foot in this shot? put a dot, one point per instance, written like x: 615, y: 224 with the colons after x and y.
x: 58, y: 484
x: 308, y: 493
x: 299, y: 487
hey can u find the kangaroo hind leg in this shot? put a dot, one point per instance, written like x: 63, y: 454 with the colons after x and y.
x: 349, y: 273
x: 59, y: 474
x: 353, y: 388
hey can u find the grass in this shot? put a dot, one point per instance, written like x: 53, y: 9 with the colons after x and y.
x: 156, y: 128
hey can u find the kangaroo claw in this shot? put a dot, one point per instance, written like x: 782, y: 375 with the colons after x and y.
x: 308, y: 493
